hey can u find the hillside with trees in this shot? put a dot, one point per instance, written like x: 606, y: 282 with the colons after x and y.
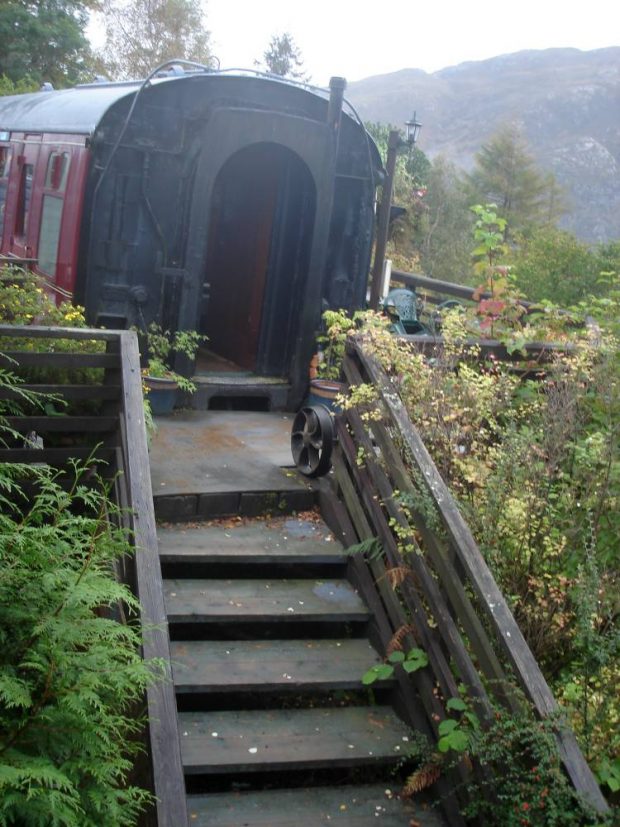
x: 564, y: 103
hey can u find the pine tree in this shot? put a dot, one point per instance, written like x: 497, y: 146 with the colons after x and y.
x: 506, y: 175
x: 283, y: 57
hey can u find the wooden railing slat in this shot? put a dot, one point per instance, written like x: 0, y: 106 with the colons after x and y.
x: 426, y: 637
x: 88, y: 424
x: 59, y: 456
x: 42, y: 332
x: 393, y: 607
x: 427, y: 584
x: 488, y: 593
x: 459, y: 601
x: 13, y: 359
x: 69, y: 392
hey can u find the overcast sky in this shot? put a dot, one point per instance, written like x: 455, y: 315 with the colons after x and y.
x: 357, y: 39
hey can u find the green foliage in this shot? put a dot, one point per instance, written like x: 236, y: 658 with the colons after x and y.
x: 411, y: 174
x: 24, y: 301
x: 332, y: 342
x: 44, y: 40
x: 552, y: 265
x: 528, y: 787
x: 161, y: 345
x: 458, y: 734
x: 370, y: 548
x: 505, y: 174
x: 142, y: 34
x: 411, y: 661
x: 19, y: 87
x: 442, y: 225
x: 534, y: 463
x: 71, y: 676
x: 282, y: 57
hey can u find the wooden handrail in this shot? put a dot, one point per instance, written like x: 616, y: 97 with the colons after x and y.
x: 165, y: 747
x: 453, y: 559
x: 125, y: 452
x: 448, y: 288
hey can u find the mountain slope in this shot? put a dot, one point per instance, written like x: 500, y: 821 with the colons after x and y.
x: 566, y: 102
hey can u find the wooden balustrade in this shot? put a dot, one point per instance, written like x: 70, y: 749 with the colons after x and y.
x: 447, y: 601
x: 110, y: 436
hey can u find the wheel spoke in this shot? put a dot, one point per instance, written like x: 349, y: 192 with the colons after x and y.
x: 311, y: 440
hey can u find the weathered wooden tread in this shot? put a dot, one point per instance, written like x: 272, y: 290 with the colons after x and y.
x: 288, y: 541
x: 269, y: 665
x: 365, y: 805
x: 194, y: 601
x: 287, y: 739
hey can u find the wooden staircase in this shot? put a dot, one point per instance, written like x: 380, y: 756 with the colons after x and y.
x: 269, y: 642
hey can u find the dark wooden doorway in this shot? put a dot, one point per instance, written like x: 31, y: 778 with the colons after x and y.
x: 260, y: 229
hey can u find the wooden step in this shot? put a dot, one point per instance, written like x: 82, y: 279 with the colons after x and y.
x: 270, y: 665
x: 262, y: 601
x: 284, y: 541
x: 290, y: 739
x: 365, y: 805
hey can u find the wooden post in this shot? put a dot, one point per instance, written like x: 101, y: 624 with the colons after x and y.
x: 394, y: 142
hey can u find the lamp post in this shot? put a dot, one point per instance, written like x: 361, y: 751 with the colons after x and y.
x: 395, y: 142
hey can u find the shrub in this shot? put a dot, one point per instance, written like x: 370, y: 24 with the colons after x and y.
x: 71, y: 676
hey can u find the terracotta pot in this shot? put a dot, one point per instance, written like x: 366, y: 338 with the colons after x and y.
x: 324, y: 392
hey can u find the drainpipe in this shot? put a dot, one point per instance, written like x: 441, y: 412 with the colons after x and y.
x: 334, y: 109
x: 383, y: 223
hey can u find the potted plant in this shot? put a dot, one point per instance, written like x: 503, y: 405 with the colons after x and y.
x: 161, y: 381
x: 328, y: 385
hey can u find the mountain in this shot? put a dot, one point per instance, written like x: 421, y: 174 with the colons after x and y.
x: 565, y: 101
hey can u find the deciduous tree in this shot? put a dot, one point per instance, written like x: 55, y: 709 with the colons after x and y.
x: 142, y: 34
x: 44, y: 40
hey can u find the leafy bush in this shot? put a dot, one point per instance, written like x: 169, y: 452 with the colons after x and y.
x: 161, y: 345
x: 533, y: 459
x: 24, y: 301
x: 71, y: 676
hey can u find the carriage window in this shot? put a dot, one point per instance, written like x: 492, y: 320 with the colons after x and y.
x: 57, y: 168
x: 25, y: 191
x: 51, y: 216
x: 5, y: 165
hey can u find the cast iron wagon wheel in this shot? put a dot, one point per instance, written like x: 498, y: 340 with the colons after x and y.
x: 312, y: 439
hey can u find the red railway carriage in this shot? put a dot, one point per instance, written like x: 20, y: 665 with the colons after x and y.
x: 234, y: 204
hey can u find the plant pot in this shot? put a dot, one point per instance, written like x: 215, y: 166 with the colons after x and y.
x: 162, y: 394
x: 324, y: 392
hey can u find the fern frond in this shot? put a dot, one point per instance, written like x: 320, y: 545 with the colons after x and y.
x: 396, y: 643
x: 424, y: 777
x: 397, y: 575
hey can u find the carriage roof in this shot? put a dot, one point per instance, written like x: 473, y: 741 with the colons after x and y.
x: 79, y: 110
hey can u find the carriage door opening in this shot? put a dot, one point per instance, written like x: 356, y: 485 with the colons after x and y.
x: 260, y: 231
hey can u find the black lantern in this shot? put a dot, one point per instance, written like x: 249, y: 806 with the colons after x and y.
x: 413, y: 130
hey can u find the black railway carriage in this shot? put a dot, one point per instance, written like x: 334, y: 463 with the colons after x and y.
x: 234, y: 204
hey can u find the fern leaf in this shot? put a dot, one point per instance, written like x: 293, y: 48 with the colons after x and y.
x: 421, y: 779
x: 396, y: 643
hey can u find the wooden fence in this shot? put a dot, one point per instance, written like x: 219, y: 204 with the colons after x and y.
x: 447, y: 600
x: 94, y: 376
